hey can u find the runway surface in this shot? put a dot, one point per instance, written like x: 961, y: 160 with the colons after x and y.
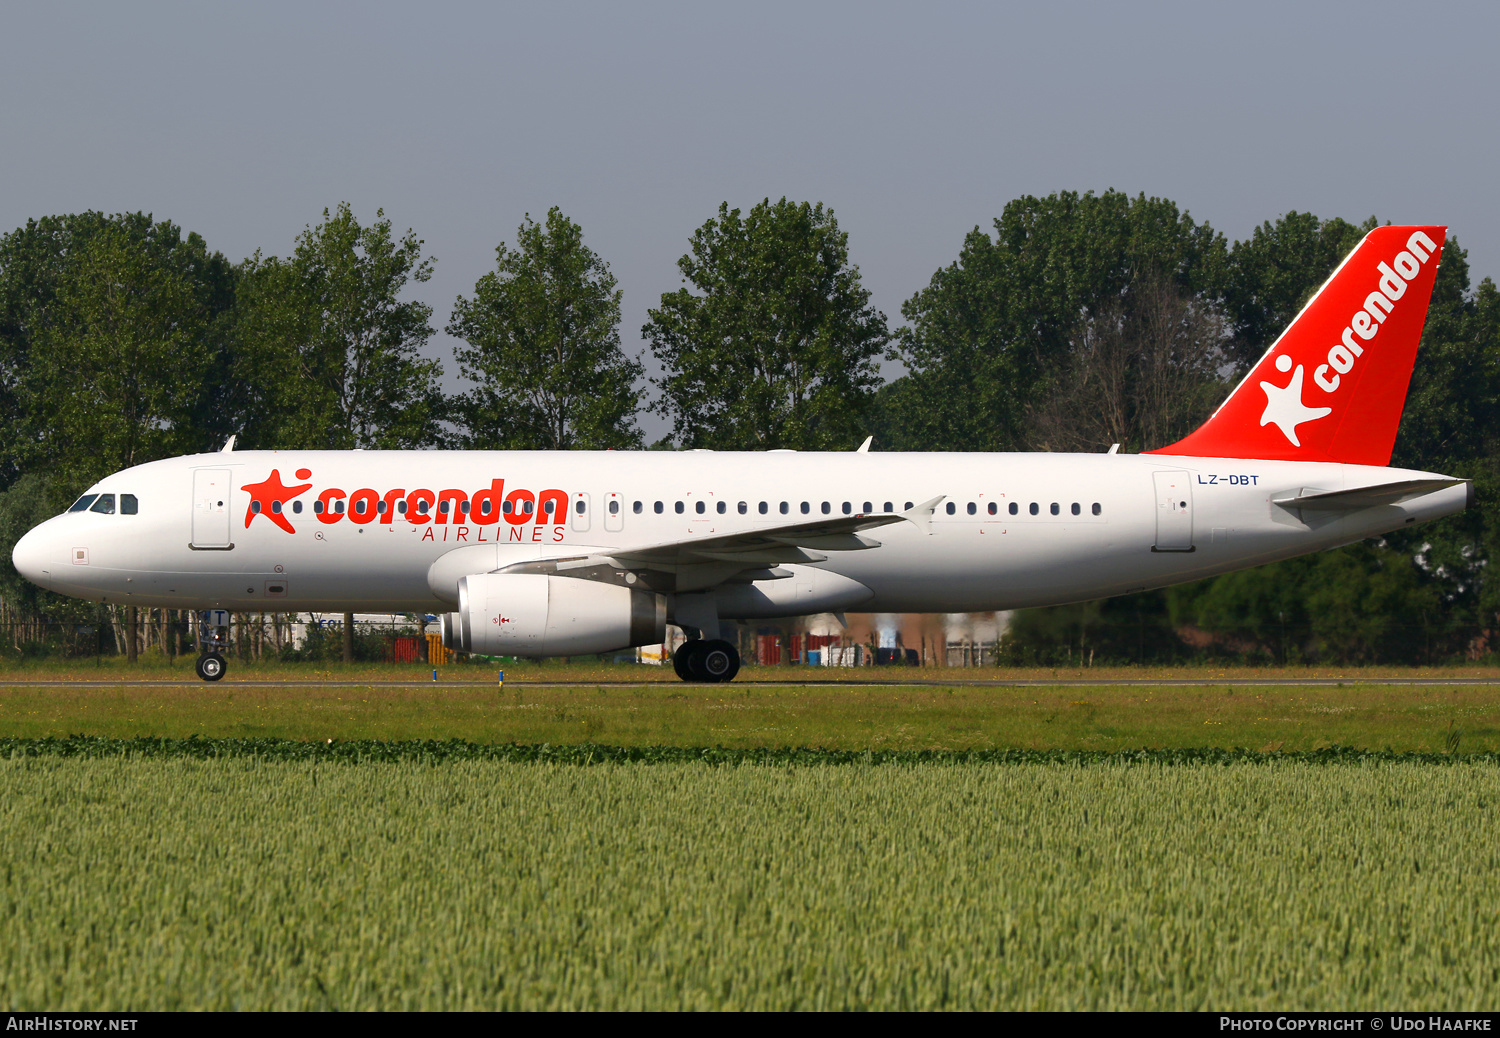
x: 229, y: 683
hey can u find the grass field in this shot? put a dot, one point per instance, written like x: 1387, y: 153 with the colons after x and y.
x: 626, y: 868
x: 241, y: 883
x: 154, y: 667
x: 1404, y: 718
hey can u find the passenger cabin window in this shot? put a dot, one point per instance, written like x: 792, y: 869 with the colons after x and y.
x: 275, y: 505
x: 442, y: 506
x: 701, y: 507
x: 105, y: 505
x: 297, y: 507
x: 1097, y: 509
x: 657, y: 508
x: 806, y: 507
x: 614, y: 507
x: 1035, y: 508
x: 994, y: 507
x: 1054, y: 508
x: 848, y: 508
x: 508, y: 507
x: 765, y: 507
x: 870, y: 507
x: 951, y: 508
x: 638, y: 507
x: 889, y: 507
x: 678, y: 507
x: 1014, y: 508
x: 579, y: 507
x: 908, y: 507
x: 338, y: 507
x: 723, y: 507
x: 973, y: 507
x: 827, y: 508
x: 317, y: 508
x: 82, y: 504
x: 463, y: 506
x: 1076, y: 508
x: 785, y: 507
x: 744, y: 507
x: 254, y: 508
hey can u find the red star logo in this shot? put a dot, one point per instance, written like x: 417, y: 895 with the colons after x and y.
x: 272, y: 490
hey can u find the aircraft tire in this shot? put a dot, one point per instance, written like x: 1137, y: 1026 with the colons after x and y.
x: 682, y: 660
x: 716, y: 661
x: 211, y: 666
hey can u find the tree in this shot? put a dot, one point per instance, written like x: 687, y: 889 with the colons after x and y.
x: 994, y: 335
x: 1272, y: 274
x: 330, y: 353
x: 778, y: 346
x: 111, y: 344
x: 544, y: 348
x: 1140, y: 371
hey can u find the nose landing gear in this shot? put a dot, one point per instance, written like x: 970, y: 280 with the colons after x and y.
x: 713, y: 660
x: 213, y: 635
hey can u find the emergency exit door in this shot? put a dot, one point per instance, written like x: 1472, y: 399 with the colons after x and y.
x: 211, y: 509
x: 1174, y: 511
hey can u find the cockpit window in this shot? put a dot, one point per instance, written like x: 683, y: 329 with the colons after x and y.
x: 82, y: 504
x: 128, y: 504
x: 105, y: 505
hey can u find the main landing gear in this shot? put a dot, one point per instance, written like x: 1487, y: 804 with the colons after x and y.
x: 709, y: 661
x: 213, y: 635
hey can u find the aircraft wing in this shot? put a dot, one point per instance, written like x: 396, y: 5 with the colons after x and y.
x: 696, y: 563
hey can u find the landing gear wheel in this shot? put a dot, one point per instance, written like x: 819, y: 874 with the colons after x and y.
x: 211, y: 667
x: 716, y: 661
x: 683, y: 660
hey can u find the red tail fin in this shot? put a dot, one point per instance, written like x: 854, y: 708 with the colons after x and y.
x: 1333, y: 386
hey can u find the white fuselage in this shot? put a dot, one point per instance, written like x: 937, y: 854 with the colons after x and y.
x: 1083, y: 526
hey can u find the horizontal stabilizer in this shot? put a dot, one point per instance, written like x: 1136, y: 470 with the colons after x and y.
x: 1363, y: 497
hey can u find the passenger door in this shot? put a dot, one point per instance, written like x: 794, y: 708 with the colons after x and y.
x: 1174, y: 511
x: 211, y: 509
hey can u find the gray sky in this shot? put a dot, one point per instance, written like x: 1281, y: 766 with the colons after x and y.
x: 914, y: 122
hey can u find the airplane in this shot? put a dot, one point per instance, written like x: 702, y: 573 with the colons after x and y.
x: 538, y: 553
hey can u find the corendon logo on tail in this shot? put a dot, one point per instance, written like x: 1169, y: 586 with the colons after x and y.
x: 1284, y: 406
x: 463, y: 516
x: 1333, y: 386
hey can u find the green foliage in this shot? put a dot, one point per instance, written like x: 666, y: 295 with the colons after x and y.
x: 1273, y: 273
x: 1127, y: 629
x: 258, y: 883
x: 1362, y: 604
x: 31, y: 500
x: 330, y: 354
x: 544, y: 348
x: 777, y: 348
x: 996, y: 332
x: 111, y: 334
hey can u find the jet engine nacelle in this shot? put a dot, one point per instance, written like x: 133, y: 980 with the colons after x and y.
x: 535, y: 614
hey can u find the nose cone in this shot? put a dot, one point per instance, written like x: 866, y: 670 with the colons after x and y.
x: 32, y: 556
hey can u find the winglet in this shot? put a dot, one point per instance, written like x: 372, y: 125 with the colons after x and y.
x: 921, y: 515
x: 864, y: 448
x: 228, y: 447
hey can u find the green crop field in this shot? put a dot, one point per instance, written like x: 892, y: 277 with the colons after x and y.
x: 292, y: 880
